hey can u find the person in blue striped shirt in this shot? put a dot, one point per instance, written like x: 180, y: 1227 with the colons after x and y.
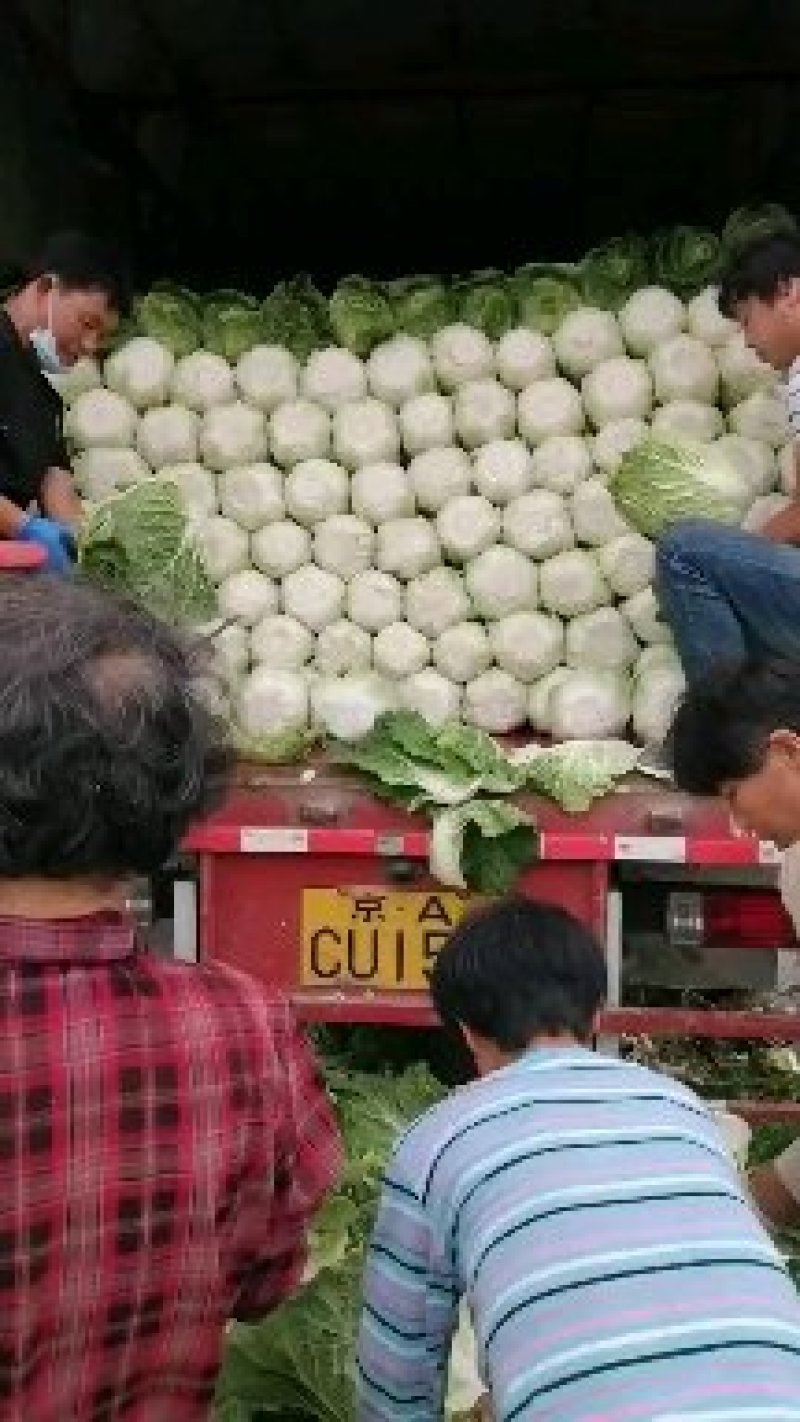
x: 584, y: 1207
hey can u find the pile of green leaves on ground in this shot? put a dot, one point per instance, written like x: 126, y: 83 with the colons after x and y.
x: 139, y: 542
x: 724, y: 1070
x: 299, y: 1363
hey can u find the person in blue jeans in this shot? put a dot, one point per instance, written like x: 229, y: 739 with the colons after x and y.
x: 728, y: 594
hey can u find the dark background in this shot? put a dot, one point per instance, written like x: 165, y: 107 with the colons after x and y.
x: 238, y: 141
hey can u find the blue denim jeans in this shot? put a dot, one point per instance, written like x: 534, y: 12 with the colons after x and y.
x: 727, y: 595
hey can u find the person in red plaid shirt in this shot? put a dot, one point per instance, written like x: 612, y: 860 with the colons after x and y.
x: 165, y: 1137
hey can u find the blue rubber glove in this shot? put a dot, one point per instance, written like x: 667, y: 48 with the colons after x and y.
x: 57, y: 540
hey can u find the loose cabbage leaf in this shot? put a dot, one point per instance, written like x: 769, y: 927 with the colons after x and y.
x: 666, y: 479
x: 332, y: 1234
x: 397, y: 776
x: 429, y: 766
x: 233, y: 1410
x: 578, y: 772
x: 374, y: 1110
x: 477, y: 750
x: 139, y: 542
x: 301, y: 1359
x: 484, y: 845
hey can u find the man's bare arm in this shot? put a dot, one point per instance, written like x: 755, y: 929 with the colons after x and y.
x: 60, y: 498
x: 777, y: 1205
x: 12, y: 518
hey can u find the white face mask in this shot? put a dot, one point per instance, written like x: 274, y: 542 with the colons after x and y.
x: 44, y: 344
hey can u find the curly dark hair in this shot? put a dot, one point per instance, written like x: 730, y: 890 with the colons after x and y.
x: 107, y: 751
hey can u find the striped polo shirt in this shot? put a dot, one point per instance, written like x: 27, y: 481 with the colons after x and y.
x: 589, y: 1212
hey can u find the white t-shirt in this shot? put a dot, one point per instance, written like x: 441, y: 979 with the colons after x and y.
x: 791, y: 394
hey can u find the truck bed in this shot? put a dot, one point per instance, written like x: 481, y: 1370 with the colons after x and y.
x: 325, y: 808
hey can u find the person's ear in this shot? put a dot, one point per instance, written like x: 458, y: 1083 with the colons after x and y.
x: 470, y: 1040
x: 785, y: 744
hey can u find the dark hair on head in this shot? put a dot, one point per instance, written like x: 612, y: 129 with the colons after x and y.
x: 519, y: 969
x: 722, y: 727
x: 82, y: 263
x: 107, y: 751
x: 760, y: 270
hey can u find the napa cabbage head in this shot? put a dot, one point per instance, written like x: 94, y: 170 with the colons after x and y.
x: 295, y: 315
x: 421, y: 305
x: 685, y: 259
x: 140, y: 542
x: 171, y: 315
x: 665, y: 480
x: 231, y: 324
x: 544, y: 298
x: 361, y: 314
x: 611, y: 273
x: 485, y: 300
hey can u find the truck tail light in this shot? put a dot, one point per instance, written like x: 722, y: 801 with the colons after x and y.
x: 740, y: 918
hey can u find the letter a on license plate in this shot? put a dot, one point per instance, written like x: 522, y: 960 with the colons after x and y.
x: 376, y: 939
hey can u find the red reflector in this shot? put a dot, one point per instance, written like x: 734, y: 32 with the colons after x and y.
x: 750, y: 919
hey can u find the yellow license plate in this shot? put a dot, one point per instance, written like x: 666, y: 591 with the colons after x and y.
x: 371, y: 939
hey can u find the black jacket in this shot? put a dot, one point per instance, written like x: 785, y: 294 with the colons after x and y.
x: 31, y: 421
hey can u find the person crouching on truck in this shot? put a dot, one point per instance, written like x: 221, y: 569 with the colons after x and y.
x: 737, y: 735
x: 165, y: 1137
x: 587, y: 1207
x: 66, y: 308
x: 726, y: 593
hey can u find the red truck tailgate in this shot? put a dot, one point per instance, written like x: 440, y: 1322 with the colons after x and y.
x: 311, y: 883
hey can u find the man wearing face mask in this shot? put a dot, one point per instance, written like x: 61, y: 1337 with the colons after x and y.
x: 68, y: 306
